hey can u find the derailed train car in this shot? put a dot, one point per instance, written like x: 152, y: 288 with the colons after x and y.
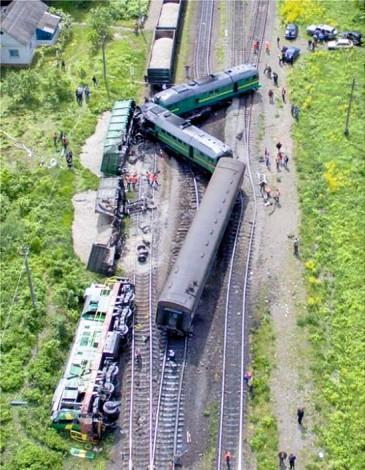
x: 85, y: 402
x: 182, y: 138
x: 180, y: 296
x: 209, y: 91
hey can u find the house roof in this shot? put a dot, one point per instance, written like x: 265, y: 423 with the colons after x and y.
x: 20, y: 19
x: 49, y: 22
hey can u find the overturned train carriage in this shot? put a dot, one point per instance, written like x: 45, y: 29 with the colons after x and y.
x: 86, y: 402
x: 182, y: 138
x: 180, y: 296
x: 215, y: 89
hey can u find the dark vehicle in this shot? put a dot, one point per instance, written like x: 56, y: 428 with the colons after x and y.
x: 290, y: 54
x: 322, y: 32
x: 291, y: 31
x: 179, y: 136
x: 354, y: 36
x: 212, y: 90
x: 180, y: 296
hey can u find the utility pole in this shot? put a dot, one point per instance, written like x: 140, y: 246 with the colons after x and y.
x: 24, y: 251
x: 104, y: 65
x: 346, y: 130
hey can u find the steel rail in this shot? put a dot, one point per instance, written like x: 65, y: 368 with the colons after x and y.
x: 133, y: 350
x: 203, y: 45
x: 179, y: 399
x: 158, y: 407
x: 226, y: 315
x: 227, y: 421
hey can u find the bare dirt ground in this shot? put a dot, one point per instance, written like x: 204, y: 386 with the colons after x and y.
x: 92, y: 150
x: 87, y: 226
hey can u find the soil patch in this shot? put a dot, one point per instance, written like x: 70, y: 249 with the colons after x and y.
x: 92, y: 151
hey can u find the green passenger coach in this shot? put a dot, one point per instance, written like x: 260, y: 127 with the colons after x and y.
x: 182, y: 138
x: 209, y: 91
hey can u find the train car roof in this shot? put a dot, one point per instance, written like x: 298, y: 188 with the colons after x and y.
x: 185, y: 277
x: 178, y: 92
x: 185, y: 131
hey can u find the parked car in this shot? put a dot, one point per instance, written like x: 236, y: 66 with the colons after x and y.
x: 322, y: 30
x: 291, y: 31
x: 340, y: 44
x: 290, y: 54
x: 354, y: 36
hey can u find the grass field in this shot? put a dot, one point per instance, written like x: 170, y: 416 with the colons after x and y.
x: 331, y: 179
x: 37, y: 212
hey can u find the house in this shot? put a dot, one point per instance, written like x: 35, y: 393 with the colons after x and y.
x: 23, y: 27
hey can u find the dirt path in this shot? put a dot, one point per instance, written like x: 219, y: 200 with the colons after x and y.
x: 89, y: 227
x: 280, y: 272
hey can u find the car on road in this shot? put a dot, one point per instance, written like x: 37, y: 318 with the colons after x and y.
x: 340, y: 44
x: 354, y: 36
x: 290, y: 54
x: 322, y: 31
x: 291, y: 31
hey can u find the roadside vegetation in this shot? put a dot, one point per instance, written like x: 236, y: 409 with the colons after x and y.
x: 36, y: 193
x: 262, y: 428
x: 330, y: 167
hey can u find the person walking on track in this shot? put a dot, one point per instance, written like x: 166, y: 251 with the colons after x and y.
x: 227, y: 459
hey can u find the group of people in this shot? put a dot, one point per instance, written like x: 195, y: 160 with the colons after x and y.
x: 131, y: 180
x: 66, y: 152
x: 282, y: 459
x: 292, y: 457
x: 81, y: 92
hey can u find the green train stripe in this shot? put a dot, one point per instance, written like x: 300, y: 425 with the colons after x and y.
x: 172, y: 143
x: 212, y: 97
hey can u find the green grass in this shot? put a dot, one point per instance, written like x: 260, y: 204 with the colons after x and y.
x: 220, y: 47
x: 211, y: 413
x: 37, y: 211
x: 330, y: 167
x: 184, y: 46
x: 262, y: 428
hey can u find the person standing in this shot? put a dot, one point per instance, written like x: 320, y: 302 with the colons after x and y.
x: 286, y: 161
x: 296, y: 247
x: 95, y: 82
x: 292, y: 459
x: 69, y: 157
x: 279, y: 145
x: 87, y: 93
x: 64, y: 144
x: 278, y: 42
x: 271, y: 96
x: 55, y: 139
x: 227, y: 459
x: 300, y: 415
x: 275, y: 78
x: 282, y: 457
x: 283, y: 94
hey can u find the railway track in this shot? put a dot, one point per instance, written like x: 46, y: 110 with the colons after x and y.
x: 168, y: 435
x: 169, y: 422
x: 202, y: 56
x: 142, y: 362
x: 237, y: 281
